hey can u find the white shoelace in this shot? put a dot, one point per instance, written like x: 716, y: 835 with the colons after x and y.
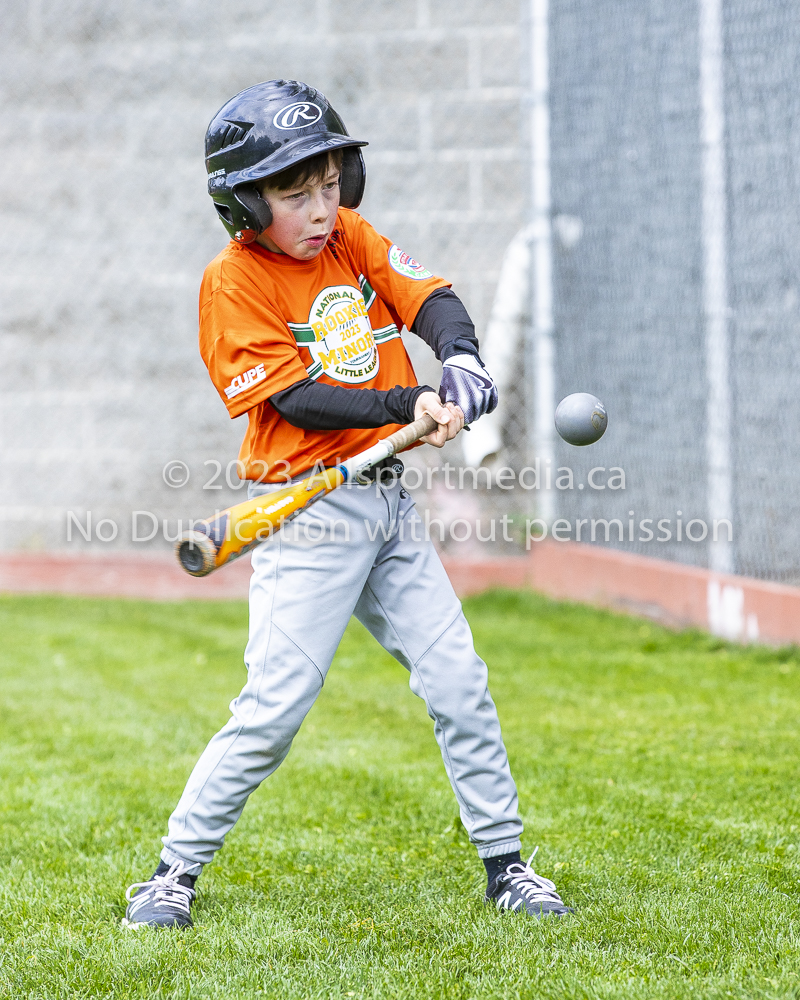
x: 533, y: 887
x: 163, y: 890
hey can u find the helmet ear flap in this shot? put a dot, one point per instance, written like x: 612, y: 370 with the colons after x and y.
x: 260, y: 214
x: 353, y: 177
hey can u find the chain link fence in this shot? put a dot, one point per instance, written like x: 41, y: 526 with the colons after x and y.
x: 627, y: 112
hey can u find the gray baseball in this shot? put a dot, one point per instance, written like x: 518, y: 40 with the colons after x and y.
x: 581, y: 418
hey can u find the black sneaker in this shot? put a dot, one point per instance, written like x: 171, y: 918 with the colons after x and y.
x: 520, y: 888
x: 164, y: 901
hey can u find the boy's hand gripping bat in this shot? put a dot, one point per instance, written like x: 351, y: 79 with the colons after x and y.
x: 212, y: 543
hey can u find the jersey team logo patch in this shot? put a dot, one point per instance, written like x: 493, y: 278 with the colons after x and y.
x: 407, y: 266
x: 339, y: 336
x: 297, y: 115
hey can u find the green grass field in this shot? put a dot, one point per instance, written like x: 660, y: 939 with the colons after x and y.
x: 657, y: 772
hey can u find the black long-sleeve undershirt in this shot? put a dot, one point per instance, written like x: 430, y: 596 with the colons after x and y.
x: 442, y: 322
x: 317, y: 406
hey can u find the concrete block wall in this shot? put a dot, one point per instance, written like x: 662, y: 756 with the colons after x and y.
x: 106, y: 226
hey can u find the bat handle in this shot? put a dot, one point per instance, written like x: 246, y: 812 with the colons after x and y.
x: 388, y: 446
x: 412, y: 432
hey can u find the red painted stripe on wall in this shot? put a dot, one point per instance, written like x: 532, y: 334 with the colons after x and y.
x: 735, y: 607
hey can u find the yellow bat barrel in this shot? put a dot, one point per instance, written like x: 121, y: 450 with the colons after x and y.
x: 217, y: 540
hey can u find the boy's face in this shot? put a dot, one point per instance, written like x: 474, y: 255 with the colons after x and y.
x: 303, y: 217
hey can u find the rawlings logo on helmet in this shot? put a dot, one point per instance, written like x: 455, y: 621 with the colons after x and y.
x: 297, y: 115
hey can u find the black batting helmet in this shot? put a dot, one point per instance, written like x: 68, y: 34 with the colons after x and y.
x: 261, y: 132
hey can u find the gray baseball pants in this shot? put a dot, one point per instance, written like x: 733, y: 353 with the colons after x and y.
x: 360, y: 551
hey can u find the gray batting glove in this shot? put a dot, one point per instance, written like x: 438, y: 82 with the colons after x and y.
x: 466, y: 383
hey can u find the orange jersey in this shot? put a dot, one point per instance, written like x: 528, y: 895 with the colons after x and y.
x: 268, y: 321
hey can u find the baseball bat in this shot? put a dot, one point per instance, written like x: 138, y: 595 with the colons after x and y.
x: 229, y: 534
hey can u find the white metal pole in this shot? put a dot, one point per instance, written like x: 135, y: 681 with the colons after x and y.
x: 540, y: 354
x: 715, y: 280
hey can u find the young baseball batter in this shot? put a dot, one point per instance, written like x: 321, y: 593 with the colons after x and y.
x: 300, y: 320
